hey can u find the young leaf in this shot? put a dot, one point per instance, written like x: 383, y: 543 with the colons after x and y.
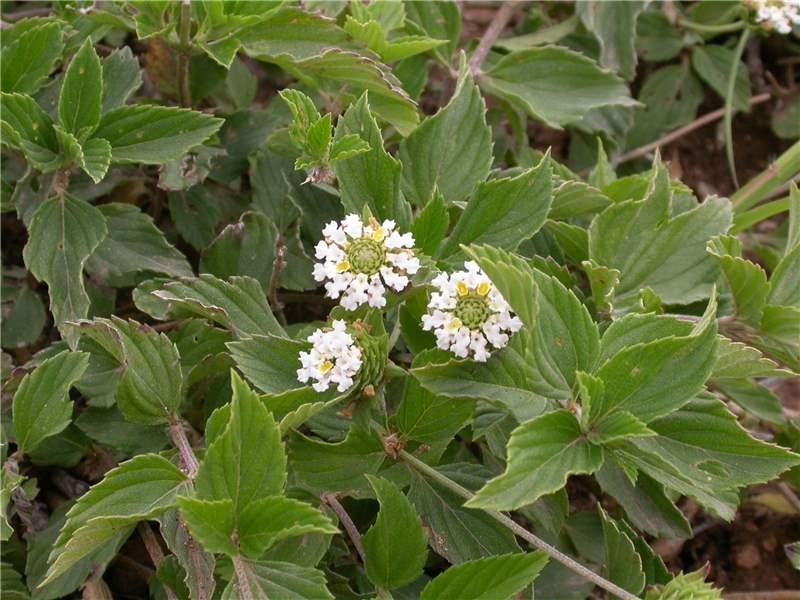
x: 371, y: 178
x: 121, y: 78
x: 81, y: 93
x: 41, y: 405
x: 394, y: 546
x: 451, y: 151
x: 211, y: 522
x: 692, y: 585
x: 63, y: 234
x: 554, y: 85
x: 494, y: 578
x: 154, y: 134
x: 134, y: 244
x: 504, y: 212
x: 747, y: 280
x: 431, y: 224
x: 542, y: 453
x: 270, y: 362
x: 96, y: 158
x: 238, y: 304
x: 439, y: 20
x: 265, y: 580
x: 29, y: 59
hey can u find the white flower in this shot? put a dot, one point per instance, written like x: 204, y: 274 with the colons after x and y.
x: 359, y: 261
x: 778, y: 15
x: 335, y: 358
x: 468, y: 315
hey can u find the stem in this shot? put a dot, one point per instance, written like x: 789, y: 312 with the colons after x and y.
x: 747, y: 219
x: 153, y: 551
x: 737, y: 56
x: 241, y: 576
x: 678, y: 133
x: 526, y: 535
x: 278, y: 265
x: 789, y: 494
x: 496, y: 27
x: 189, y: 460
x: 185, y: 30
x: 761, y: 186
x: 331, y: 500
x: 726, y: 28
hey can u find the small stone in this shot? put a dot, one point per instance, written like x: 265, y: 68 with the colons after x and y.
x: 748, y: 557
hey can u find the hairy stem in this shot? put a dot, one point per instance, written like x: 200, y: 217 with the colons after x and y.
x: 517, y: 529
x: 331, y: 500
x: 496, y: 27
x: 188, y: 459
x: 184, y: 30
x: 241, y: 576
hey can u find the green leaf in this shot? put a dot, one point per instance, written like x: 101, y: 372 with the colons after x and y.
x: 713, y: 63
x: 304, y: 114
x: 784, y: 284
x: 554, y: 85
x: 150, y: 391
x: 451, y: 150
x: 121, y: 78
x: 109, y: 427
x: 154, y: 134
x: 346, y: 147
x: 82, y: 92
x: 652, y: 249
x: 755, y: 398
x: 504, y: 212
x: 246, y: 461
x: 440, y: 20
x: 654, y: 378
x: 29, y: 59
x: 458, y: 534
x: 623, y: 565
x: 691, y: 585
x: 614, y: 26
x: 428, y: 418
x: 270, y: 362
x: 134, y: 244
x: 431, y: 224
x: 246, y: 247
x: 23, y: 323
x: 576, y: 198
x: 371, y: 178
x: 238, y: 304
x: 269, y: 580
x: 736, y: 360
x: 63, y: 234
x: 542, y: 453
x: 395, y: 547
x: 28, y: 122
x: 96, y: 158
x: 211, y: 522
x: 603, y: 281
x: 336, y: 467
x: 138, y: 489
x: 495, y: 578
x: 195, y: 213
x: 41, y: 405
x: 13, y: 588
x: 198, y: 564
x: 747, y: 280
x: 264, y: 522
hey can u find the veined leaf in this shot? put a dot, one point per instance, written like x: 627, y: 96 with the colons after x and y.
x: 96, y: 158
x: 691, y: 585
x: 29, y: 59
x: 395, y: 546
x: 713, y: 62
x: 451, y: 150
x: 63, y: 234
x: 614, y: 26
x: 154, y: 134
x: 493, y: 578
x: 623, y: 565
x: 270, y: 362
x: 747, y: 280
x: 542, y: 453
x: 27, y: 121
x: 81, y: 93
x: 784, y: 289
x: 41, y: 405
x: 428, y: 418
x: 269, y: 580
x: 121, y: 78
x: 736, y: 360
x: 431, y: 224
x: 211, y: 522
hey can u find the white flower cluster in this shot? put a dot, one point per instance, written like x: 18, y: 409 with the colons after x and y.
x: 335, y: 358
x: 468, y: 314
x: 360, y: 260
x: 778, y: 15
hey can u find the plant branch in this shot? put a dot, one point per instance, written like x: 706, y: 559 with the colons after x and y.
x: 188, y: 459
x: 184, y: 53
x: 496, y: 27
x: 700, y: 27
x: 331, y: 500
x: 735, y: 65
x: 241, y: 576
x: 517, y: 529
x: 278, y: 265
x: 680, y: 132
x: 154, y: 551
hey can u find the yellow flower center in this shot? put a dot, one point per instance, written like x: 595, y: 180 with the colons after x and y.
x: 342, y: 266
x: 483, y: 289
x: 325, y: 367
x: 462, y: 289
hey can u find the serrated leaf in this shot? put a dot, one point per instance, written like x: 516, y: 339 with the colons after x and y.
x: 371, y: 178
x: 197, y: 563
x: 431, y: 224
x: 614, y: 26
x: 13, y: 588
x: 27, y: 121
x: 41, y: 405
x: 238, y: 304
x: 439, y: 20
x: 395, y: 547
x: 121, y: 78
x: 154, y: 134
x: 96, y: 158
x: 576, y: 198
x: 542, y: 453
x: 736, y: 360
x: 713, y: 62
x: 690, y: 585
x: 784, y: 284
x: 494, y: 578
x: 451, y: 150
x: 268, y: 580
x: 428, y: 418
x: 747, y: 280
x: 211, y: 522
x: 755, y: 398
x: 346, y: 147
x: 554, y: 85
x: 336, y: 467
x: 505, y: 212
x: 82, y: 92
x: 63, y: 234
x: 29, y: 59
x: 134, y: 244
x: 270, y: 362
x: 623, y: 565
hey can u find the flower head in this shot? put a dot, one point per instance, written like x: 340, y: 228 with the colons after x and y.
x: 468, y: 315
x: 779, y: 15
x: 360, y: 260
x: 334, y: 358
